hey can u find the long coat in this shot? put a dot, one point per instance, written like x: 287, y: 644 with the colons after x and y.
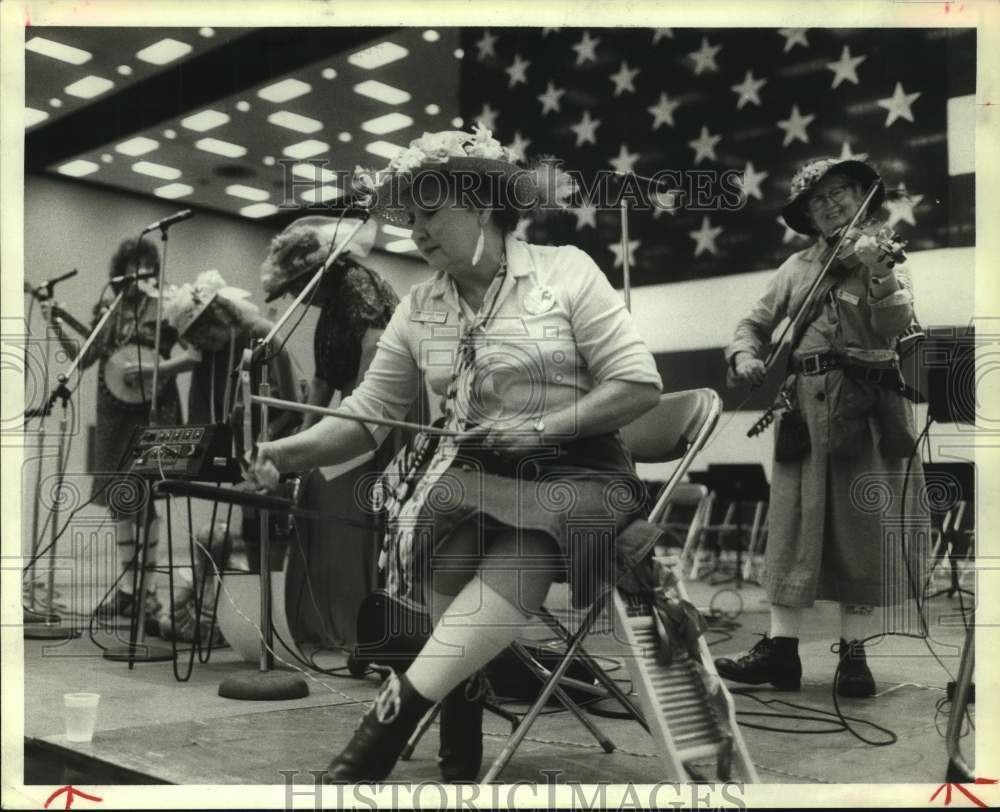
x: 836, y: 513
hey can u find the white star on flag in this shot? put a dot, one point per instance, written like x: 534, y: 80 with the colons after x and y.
x: 847, y: 155
x: 616, y: 249
x: 623, y: 79
x: 550, y: 99
x: 488, y: 118
x: 704, y: 57
x: 520, y: 231
x: 704, y: 145
x: 795, y: 126
x: 516, y: 71
x: 751, y: 180
x: 705, y: 237
x: 519, y: 145
x: 793, y: 37
x: 485, y: 45
x: 585, y: 48
x: 586, y: 129
x: 547, y: 31
x: 901, y: 208
x: 846, y: 68
x: 625, y: 160
x: 663, y: 111
x: 662, y: 33
x: 790, y: 233
x: 586, y: 215
x: 749, y: 90
x: 898, y: 104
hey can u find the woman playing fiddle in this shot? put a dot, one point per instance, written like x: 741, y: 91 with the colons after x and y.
x: 824, y: 542
x: 535, y: 357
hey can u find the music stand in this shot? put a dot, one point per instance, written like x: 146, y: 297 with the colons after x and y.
x: 963, y: 475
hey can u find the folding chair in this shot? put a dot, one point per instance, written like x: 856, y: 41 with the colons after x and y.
x: 679, y: 709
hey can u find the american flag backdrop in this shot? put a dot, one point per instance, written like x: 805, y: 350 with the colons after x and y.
x: 757, y: 101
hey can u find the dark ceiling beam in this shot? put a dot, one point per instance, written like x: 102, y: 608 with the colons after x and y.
x: 216, y: 74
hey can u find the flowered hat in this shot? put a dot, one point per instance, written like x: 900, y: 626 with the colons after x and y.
x: 507, y: 180
x: 183, y: 304
x: 796, y: 211
x: 304, y: 246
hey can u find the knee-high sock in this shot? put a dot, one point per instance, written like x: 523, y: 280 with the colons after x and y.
x: 785, y: 621
x: 477, y: 625
x: 857, y: 621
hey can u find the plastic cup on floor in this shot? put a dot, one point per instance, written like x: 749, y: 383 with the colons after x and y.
x: 81, y: 716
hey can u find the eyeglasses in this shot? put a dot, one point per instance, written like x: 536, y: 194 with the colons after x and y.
x: 837, y: 194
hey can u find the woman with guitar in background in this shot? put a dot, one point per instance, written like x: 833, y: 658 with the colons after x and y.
x: 538, y: 365
x: 124, y: 351
x: 845, y: 427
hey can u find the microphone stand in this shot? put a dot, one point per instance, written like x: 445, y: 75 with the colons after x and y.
x: 626, y: 261
x: 266, y: 683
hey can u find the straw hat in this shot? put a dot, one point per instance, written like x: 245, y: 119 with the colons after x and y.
x: 183, y: 304
x: 796, y: 210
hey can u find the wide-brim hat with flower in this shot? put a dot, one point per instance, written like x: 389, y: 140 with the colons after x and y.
x: 305, y: 245
x: 501, y: 178
x: 796, y: 210
x: 183, y: 304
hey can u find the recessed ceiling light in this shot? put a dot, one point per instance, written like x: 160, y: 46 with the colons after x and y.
x: 225, y: 148
x: 375, y: 56
x: 258, y: 210
x: 459, y: 53
x: 320, y: 194
x: 205, y: 120
x: 164, y: 51
x: 33, y: 116
x: 345, y: 137
x: 173, y: 190
x: 78, y: 168
x: 107, y: 157
x: 382, y: 92
x: 247, y: 192
x: 55, y: 103
x: 430, y: 35
x: 312, y: 172
x: 171, y: 134
x: 293, y: 121
x: 396, y: 231
x: 329, y: 73
x: 306, y: 149
x: 156, y: 170
x: 401, y: 246
x: 284, y: 90
x: 243, y: 106
x: 139, y: 145
x: 269, y: 160
x: 89, y: 86
x: 432, y: 109
x: 124, y: 70
x: 457, y: 122
x: 206, y: 32
x: 56, y: 50
x: 388, y: 123
x: 383, y: 149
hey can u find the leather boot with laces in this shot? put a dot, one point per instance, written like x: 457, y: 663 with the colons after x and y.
x: 381, y: 736
x: 460, y: 755
x: 774, y: 660
x: 855, y: 677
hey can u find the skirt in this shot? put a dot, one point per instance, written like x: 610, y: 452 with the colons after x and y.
x: 583, y: 496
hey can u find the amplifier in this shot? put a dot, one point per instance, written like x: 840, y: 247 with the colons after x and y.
x: 201, y: 453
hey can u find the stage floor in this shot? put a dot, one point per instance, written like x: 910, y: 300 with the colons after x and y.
x: 152, y: 728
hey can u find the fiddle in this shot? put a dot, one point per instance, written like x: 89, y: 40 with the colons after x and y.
x: 869, y: 234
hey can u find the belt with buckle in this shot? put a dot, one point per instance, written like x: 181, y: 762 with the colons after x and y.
x: 816, y: 364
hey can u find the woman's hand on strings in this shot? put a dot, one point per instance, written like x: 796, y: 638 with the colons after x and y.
x: 263, y: 474
x: 749, y: 369
x: 506, y: 437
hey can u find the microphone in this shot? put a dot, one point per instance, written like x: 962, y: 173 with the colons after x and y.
x: 166, y: 222
x: 133, y: 277
x: 48, y: 284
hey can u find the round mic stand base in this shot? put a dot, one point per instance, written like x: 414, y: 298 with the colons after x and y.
x: 49, y: 631
x: 139, y: 653
x: 263, y: 685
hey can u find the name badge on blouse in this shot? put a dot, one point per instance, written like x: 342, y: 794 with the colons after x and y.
x: 429, y: 316
x: 848, y: 297
x: 538, y: 300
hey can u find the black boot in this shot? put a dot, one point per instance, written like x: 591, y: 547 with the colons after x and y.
x: 460, y: 754
x: 855, y: 678
x: 771, y: 660
x: 380, y: 738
